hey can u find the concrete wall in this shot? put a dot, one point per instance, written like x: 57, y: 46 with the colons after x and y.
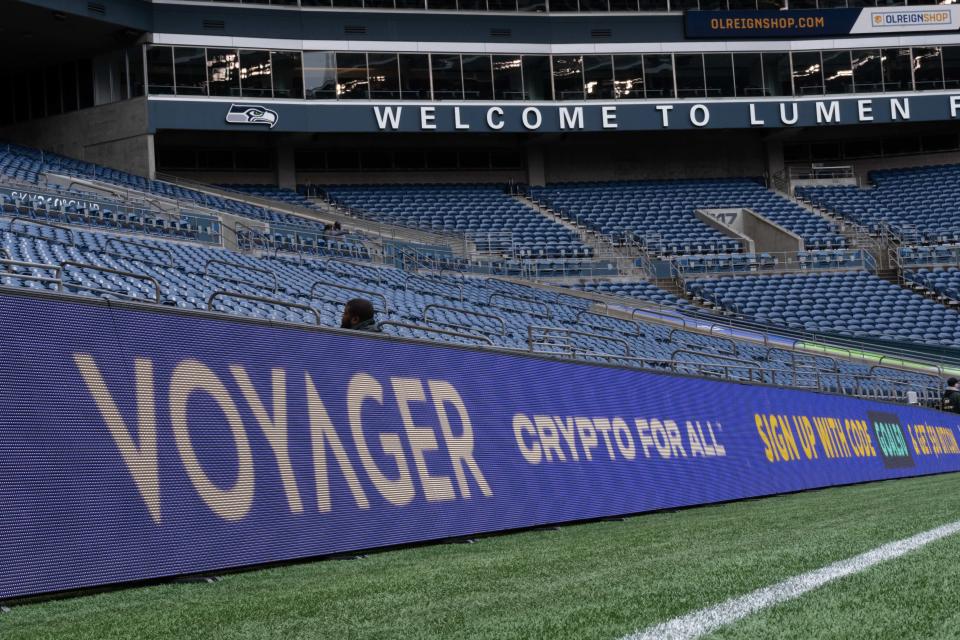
x: 114, y: 135
x: 769, y: 237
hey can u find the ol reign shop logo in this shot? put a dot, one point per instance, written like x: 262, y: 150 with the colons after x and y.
x: 252, y: 114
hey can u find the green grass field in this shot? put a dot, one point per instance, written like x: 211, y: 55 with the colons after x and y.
x: 601, y: 580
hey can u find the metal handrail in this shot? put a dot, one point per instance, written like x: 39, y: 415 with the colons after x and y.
x: 563, y: 331
x: 395, y: 323
x: 733, y: 345
x: 43, y: 223
x: 503, y: 325
x: 223, y: 293
x: 545, y: 314
x: 119, y: 272
x: 386, y: 303
x: 142, y: 245
x: 750, y: 365
x: 276, y: 283
x: 327, y: 261
x: 406, y: 286
x: 579, y: 317
x: 33, y: 265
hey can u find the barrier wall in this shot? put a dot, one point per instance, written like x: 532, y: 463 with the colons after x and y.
x: 138, y: 444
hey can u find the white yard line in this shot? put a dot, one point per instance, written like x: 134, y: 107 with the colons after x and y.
x: 704, y: 621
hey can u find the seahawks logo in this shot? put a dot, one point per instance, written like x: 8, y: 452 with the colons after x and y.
x: 252, y: 114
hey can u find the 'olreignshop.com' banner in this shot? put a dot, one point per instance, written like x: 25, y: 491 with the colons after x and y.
x: 810, y: 23
x: 139, y: 444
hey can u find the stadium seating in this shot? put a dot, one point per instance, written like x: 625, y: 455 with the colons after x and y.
x: 492, y: 218
x: 30, y: 166
x: 661, y: 213
x: 851, y: 304
x: 473, y: 310
x: 919, y: 204
x: 637, y: 289
x: 944, y: 283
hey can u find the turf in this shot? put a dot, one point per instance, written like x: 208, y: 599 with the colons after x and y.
x: 600, y: 580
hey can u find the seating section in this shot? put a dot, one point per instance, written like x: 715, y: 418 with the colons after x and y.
x: 636, y: 289
x: 470, y: 310
x: 919, y: 204
x: 944, y: 283
x: 27, y: 165
x: 491, y: 217
x: 851, y: 304
x: 661, y: 213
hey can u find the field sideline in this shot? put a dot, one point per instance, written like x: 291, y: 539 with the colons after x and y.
x: 602, y: 580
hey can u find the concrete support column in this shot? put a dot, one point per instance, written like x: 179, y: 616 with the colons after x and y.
x: 536, y: 166
x: 286, y: 166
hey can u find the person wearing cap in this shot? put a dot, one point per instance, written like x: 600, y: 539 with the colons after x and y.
x: 951, y: 397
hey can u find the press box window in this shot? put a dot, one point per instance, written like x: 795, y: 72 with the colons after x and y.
x: 160, y: 70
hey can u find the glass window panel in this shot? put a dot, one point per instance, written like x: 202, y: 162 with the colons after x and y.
x: 441, y: 159
x: 376, y: 159
x: 21, y: 99
x: 896, y: 70
x: 68, y: 85
x: 833, y: 4
x: 866, y: 148
x: 6, y: 100
x: 223, y: 72
x: 442, y: 5
x: 742, y: 5
x: 315, y: 3
x: 598, y: 77
x: 822, y: 151
x: 410, y: 4
x: 951, y: 67
x: 689, y: 68
x: 135, y: 64
x: 803, y: 4
x: 867, y: 72
x: 807, y: 73
x: 568, y: 77
x: 54, y: 101
x: 927, y: 69
x: 190, y: 63
x: 796, y: 152
x: 658, y: 75
x: 320, y: 75
x: 348, y: 3
x: 254, y: 159
x: 38, y: 102
x: 310, y: 160
x: 447, y: 79
x: 352, y: 76
x: 890, y: 3
x: 939, y: 142
x: 837, y: 72
x: 410, y: 160
x: 506, y: 159
x: 713, y: 5
x: 594, y: 5
x: 861, y: 3
x: 414, y: 76
x: 536, y: 78
x: 719, y: 69
x: 379, y: 4
x: 255, y: 74
x: 507, y: 78
x: 682, y: 5
x: 474, y: 160
x: 537, y: 6
x: 477, y: 78
x: 384, y: 76
x: 625, y: 5
x: 287, y: 74
x: 215, y: 159
x: 776, y: 74
x: 771, y: 4
x: 653, y: 5
x: 502, y: 5
x: 473, y: 5
x: 748, y: 74
x: 160, y: 69
x: 343, y: 160
x: 628, y: 77
x: 563, y: 5
x: 901, y: 145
